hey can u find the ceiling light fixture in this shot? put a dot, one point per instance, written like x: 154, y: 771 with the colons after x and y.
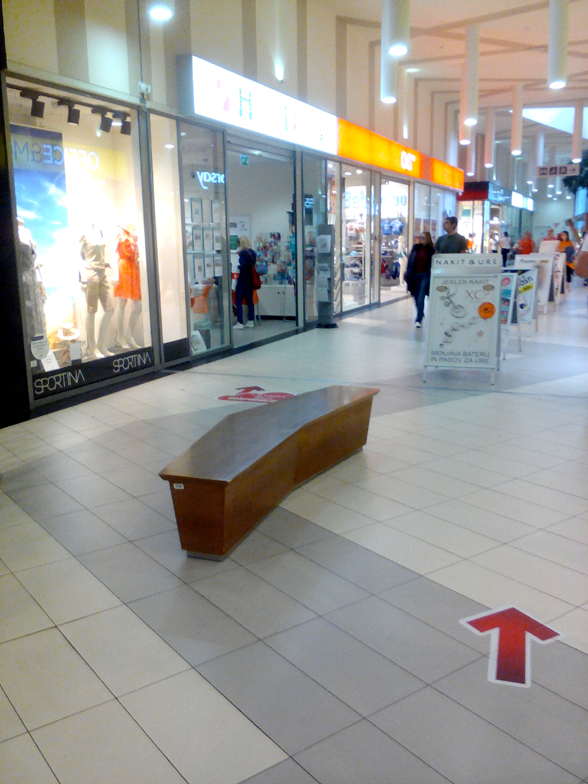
x: 471, y: 158
x: 557, y: 52
x: 470, y: 76
x: 577, y: 133
x: 161, y: 11
x: 37, y: 106
x: 73, y: 113
x: 398, y: 17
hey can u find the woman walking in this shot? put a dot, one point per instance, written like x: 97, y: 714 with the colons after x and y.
x: 418, y: 273
x: 244, y: 288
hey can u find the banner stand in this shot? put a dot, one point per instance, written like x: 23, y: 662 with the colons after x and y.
x: 464, y: 313
x: 508, y: 293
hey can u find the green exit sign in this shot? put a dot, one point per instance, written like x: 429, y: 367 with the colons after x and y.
x: 244, y: 160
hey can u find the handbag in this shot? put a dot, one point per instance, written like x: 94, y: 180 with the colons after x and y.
x: 581, y: 264
x: 256, y: 279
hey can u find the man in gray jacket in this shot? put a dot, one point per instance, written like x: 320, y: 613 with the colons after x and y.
x: 452, y: 242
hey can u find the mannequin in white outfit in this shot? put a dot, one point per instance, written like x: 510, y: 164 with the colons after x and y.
x: 96, y: 288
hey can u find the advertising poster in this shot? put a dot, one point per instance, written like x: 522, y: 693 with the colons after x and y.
x: 464, y: 320
x: 508, y: 288
x: 527, y: 296
x: 543, y: 263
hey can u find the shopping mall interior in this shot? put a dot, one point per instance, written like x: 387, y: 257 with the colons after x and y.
x: 416, y: 613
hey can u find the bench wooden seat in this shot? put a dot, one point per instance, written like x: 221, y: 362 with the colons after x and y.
x: 233, y: 476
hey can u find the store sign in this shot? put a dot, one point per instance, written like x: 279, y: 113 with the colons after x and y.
x: 213, y: 178
x: 465, y: 261
x: 64, y: 379
x: 230, y: 98
x: 516, y: 199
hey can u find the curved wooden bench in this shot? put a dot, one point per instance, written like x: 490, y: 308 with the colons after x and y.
x: 233, y: 476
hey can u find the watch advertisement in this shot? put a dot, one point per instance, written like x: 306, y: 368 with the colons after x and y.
x: 464, y: 320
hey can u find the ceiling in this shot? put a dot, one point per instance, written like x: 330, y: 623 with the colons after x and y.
x: 514, y: 38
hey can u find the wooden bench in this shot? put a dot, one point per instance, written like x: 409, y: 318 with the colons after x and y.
x: 232, y: 477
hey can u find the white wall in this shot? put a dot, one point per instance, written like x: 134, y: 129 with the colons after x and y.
x: 264, y: 190
x: 551, y: 214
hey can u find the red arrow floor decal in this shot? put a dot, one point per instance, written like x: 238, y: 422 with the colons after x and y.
x: 510, y: 649
x: 256, y: 395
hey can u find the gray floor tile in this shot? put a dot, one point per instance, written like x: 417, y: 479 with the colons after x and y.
x: 462, y: 746
x: 439, y: 607
x: 161, y: 501
x: 21, y: 477
x: 193, y: 627
x: 251, y: 601
x: 44, y: 501
x: 129, y: 572
x: 255, y: 547
x: 136, y: 480
x: 166, y: 550
x: 529, y: 715
x: 95, y: 457
x: 287, y: 772
x: 82, y: 532
x: 352, y: 561
x: 286, y: 704
x: 134, y: 519
x: 292, y: 530
x: 92, y: 490
x: 307, y: 582
x: 356, y: 674
x: 564, y: 670
x: 408, y: 642
x: 363, y: 755
x: 60, y: 466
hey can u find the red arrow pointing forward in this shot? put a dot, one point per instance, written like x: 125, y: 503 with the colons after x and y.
x: 510, y: 647
x: 250, y: 389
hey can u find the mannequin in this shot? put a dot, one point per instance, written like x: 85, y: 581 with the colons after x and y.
x: 33, y: 289
x: 128, y: 288
x: 96, y: 287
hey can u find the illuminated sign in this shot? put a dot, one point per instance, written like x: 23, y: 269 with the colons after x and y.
x: 516, y: 199
x: 229, y: 98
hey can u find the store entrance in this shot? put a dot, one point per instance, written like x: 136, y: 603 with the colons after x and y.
x: 260, y: 194
x: 393, y: 234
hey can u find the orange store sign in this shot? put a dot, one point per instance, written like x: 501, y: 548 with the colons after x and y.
x: 360, y: 144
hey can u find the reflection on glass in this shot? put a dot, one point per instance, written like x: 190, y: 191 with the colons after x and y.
x: 356, y: 208
x: 422, y: 208
x: 315, y: 206
x: 334, y: 219
x: 203, y: 177
x: 394, y: 228
x: 81, y: 248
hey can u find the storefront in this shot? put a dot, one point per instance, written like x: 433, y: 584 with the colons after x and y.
x: 129, y: 221
x: 486, y: 211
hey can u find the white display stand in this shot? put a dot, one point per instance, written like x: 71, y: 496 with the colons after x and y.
x: 527, y: 308
x: 464, y: 312
x: 508, y: 293
x: 559, y: 271
x: 543, y: 263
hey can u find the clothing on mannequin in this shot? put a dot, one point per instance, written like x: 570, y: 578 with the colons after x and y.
x: 96, y: 288
x: 33, y: 289
x: 128, y: 288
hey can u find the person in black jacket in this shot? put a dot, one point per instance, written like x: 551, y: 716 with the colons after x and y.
x: 418, y: 273
x: 244, y: 289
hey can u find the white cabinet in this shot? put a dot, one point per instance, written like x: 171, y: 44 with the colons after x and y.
x: 277, y: 301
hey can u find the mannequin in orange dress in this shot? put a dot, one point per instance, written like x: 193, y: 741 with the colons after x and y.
x: 128, y: 288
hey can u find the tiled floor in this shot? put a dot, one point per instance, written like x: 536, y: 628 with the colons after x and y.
x: 328, y: 648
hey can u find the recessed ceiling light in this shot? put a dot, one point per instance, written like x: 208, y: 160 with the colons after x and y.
x: 412, y: 70
x: 169, y: 146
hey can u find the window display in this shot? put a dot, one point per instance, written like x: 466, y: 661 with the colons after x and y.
x: 356, y: 184
x: 81, y: 246
x: 334, y: 219
x: 203, y: 169
x: 315, y: 203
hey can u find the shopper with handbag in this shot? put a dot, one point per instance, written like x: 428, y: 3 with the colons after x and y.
x: 581, y: 260
x: 245, y: 283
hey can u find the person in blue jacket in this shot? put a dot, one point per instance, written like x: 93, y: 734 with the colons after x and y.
x: 418, y: 273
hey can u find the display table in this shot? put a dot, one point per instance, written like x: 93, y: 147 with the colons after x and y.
x: 231, y: 478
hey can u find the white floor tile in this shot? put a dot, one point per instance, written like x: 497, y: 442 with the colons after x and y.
x: 28, y: 545
x: 520, y: 509
x: 103, y: 745
x: 481, y: 521
x: 67, y: 590
x: 575, y: 528
x: 454, y: 538
x: 19, y: 612
x: 321, y: 511
x: 363, y: 501
x: 404, y: 493
x: 207, y: 739
x: 46, y: 680
x: 560, y: 549
x: 124, y: 652
x: 429, y: 479
x: 574, y: 625
x: 552, y: 499
x: 21, y: 762
x: 10, y: 724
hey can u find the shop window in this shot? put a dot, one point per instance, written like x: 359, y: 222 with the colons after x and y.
x: 81, y: 237
x: 356, y: 210
x: 422, y: 208
x: 168, y: 229
x: 205, y: 242
x: 394, y: 230
x: 315, y: 212
x: 375, y: 242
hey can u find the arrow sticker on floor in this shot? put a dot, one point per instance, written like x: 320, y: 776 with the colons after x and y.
x: 256, y: 395
x: 511, y: 631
